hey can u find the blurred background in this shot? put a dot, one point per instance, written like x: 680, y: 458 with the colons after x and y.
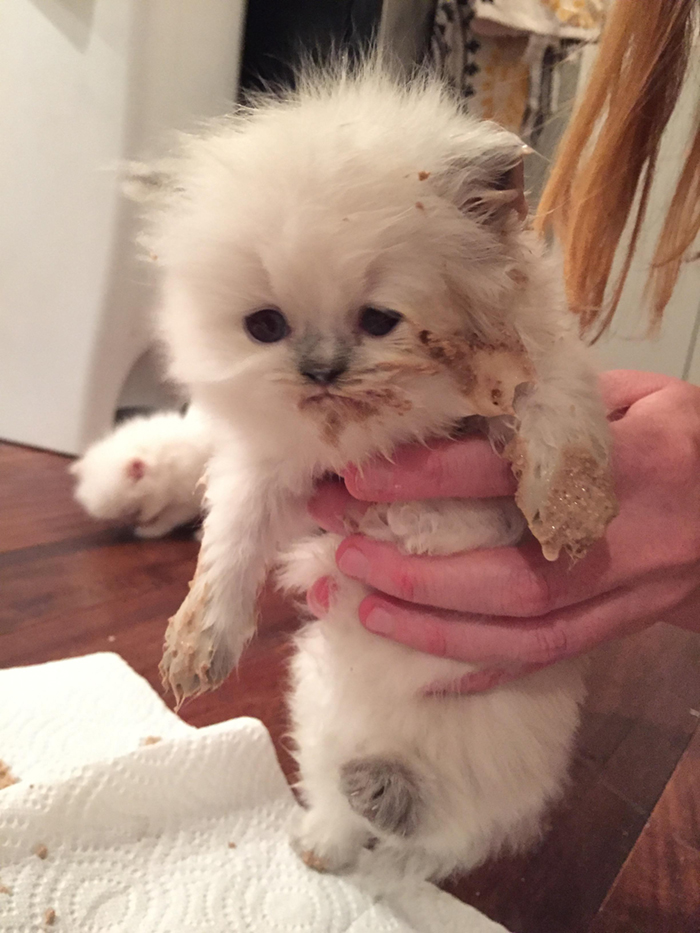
x: 88, y: 84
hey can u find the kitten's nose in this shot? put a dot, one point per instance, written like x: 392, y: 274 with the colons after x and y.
x: 323, y: 374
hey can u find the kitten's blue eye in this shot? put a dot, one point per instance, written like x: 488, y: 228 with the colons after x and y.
x: 377, y: 323
x: 267, y: 325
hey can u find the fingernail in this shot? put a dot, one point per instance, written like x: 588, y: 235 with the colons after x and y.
x: 354, y: 563
x: 377, y: 478
x: 379, y: 621
x: 329, y: 522
x: 320, y: 594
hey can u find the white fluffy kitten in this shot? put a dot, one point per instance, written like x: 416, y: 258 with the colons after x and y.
x: 345, y: 270
x: 147, y: 472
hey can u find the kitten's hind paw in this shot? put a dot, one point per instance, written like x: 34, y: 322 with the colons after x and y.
x: 327, y: 842
x: 313, y: 861
x: 384, y: 791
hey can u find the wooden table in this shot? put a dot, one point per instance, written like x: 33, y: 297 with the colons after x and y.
x: 623, y: 852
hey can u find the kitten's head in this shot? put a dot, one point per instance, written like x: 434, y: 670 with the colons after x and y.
x: 334, y: 252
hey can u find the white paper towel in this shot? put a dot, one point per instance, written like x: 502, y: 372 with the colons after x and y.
x: 56, y: 716
x: 137, y: 838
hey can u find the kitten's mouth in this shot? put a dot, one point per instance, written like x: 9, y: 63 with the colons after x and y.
x: 325, y: 399
x: 319, y: 396
x: 335, y: 411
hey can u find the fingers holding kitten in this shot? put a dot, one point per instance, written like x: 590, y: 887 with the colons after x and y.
x: 467, y: 468
x: 495, y: 581
x: 331, y: 503
x: 622, y: 388
x: 511, y: 647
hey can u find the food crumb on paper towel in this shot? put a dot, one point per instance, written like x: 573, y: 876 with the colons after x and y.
x: 7, y: 778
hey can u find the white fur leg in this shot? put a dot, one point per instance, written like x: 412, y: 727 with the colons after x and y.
x: 561, y: 454
x: 198, y: 653
x: 206, y: 636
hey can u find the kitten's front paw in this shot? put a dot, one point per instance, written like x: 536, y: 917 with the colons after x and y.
x: 199, y: 653
x: 568, y: 499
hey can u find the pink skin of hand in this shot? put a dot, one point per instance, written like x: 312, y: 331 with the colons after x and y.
x: 508, y: 608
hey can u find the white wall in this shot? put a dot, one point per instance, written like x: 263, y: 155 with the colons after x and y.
x: 85, y: 84
x: 676, y: 346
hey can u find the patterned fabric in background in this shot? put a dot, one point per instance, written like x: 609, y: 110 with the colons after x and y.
x: 502, y: 55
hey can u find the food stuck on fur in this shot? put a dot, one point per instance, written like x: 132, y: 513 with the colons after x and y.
x: 489, y: 375
x: 186, y: 664
x: 580, y: 505
x: 313, y: 861
x: 580, y: 501
x: 336, y: 411
x: 348, y: 268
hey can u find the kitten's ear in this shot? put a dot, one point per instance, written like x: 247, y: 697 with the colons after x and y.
x: 492, y: 187
x: 509, y: 190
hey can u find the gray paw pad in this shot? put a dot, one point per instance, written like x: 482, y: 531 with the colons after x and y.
x: 383, y: 791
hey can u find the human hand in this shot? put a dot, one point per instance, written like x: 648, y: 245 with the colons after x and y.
x: 509, y: 609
